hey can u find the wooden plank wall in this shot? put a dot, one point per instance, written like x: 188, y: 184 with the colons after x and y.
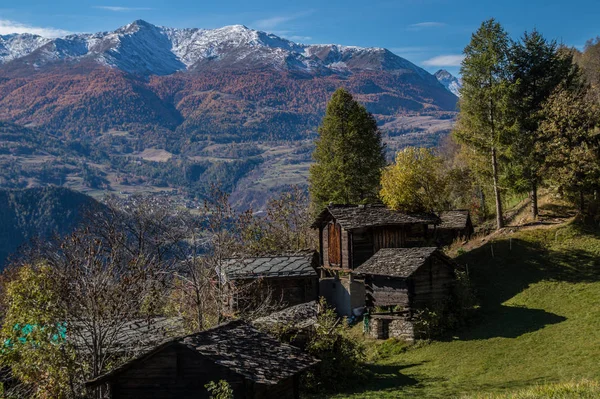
x: 335, y: 255
x: 294, y: 290
x: 387, y: 291
x: 362, y: 247
x: 174, y: 372
x: 345, y: 238
x: 388, y: 237
x: 334, y: 250
x: 416, y: 235
x: 325, y: 247
x: 432, y: 283
x: 179, y: 373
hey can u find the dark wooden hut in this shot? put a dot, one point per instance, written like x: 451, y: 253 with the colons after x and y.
x: 289, y: 279
x: 404, y: 280
x: 454, y: 225
x: 253, y: 363
x: 351, y: 234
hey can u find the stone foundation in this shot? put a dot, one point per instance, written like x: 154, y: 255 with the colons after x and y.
x: 391, y: 326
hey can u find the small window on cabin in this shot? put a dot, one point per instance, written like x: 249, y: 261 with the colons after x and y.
x: 334, y: 239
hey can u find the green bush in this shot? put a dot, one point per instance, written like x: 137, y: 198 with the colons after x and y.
x: 342, y: 357
x: 219, y: 390
x: 445, y: 316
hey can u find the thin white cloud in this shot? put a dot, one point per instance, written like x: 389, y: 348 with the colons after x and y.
x: 450, y: 60
x: 426, y: 25
x: 123, y: 9
x: 410, y: 49
x: 270, y: 23
x: 274, y: 22
x: 8, y: 27
x: 297, y: 38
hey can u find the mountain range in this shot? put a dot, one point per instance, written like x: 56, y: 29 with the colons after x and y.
x: 233, y: 104
x: 144, y: 49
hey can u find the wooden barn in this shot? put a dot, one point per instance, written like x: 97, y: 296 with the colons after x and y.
x: 404, y: 280
x: 349, y: 235
x: 255, y: 365
x: 288, y: 279
x: 454, y: 225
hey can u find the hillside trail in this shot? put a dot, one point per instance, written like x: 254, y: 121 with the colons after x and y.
x: 553, y: 212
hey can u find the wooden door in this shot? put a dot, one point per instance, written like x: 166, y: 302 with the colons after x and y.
x: 334, y: 240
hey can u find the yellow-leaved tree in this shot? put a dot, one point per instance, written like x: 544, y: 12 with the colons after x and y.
x: 415, y: 183
x: 33, y: 338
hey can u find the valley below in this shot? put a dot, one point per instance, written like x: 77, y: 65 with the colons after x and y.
x: 231, y: 107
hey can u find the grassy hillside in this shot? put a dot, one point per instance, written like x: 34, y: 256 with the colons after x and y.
x: 539, y: 322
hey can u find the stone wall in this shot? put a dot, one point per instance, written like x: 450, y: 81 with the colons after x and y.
x: 384, y: 327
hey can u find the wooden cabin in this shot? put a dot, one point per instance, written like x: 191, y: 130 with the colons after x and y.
x: 454, y: 225
x: 351, y: 234
x: 255, y: 365
x: 287, y: 279
x: 404, y: 280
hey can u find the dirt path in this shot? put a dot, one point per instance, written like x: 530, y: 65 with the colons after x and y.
x: 552, y: 213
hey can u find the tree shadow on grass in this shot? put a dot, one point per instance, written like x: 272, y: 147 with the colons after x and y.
x: 561, y: 211
x: 501, y: 269
x: 385, y: 377
x: 509, y: 322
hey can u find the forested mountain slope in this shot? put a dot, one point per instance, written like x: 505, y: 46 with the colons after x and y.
x: 37, y: 212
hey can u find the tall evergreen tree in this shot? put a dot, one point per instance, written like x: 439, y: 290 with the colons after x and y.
x: 484, y: 120
x: 537, y: 68
x: 349, y: 154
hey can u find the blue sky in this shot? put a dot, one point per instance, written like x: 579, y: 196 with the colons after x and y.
x: 430, y: 33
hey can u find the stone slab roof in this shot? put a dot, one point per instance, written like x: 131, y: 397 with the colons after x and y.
x: 454, y: 219
x: 300, y: 264
x: 396, y: 262
x: 134, y: 335
x: 352, y: 217
x: 247, y: 351
x: 296, y: 317
x: 239, y: 347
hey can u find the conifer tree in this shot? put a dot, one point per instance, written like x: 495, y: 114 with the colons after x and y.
x: 349, y: 154
x: 537, y: 68
x: 484, y: 120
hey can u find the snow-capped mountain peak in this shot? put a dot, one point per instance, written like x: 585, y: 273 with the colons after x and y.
x: 449, y: 81
x: 142, y: 48
x: 14, y: 46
